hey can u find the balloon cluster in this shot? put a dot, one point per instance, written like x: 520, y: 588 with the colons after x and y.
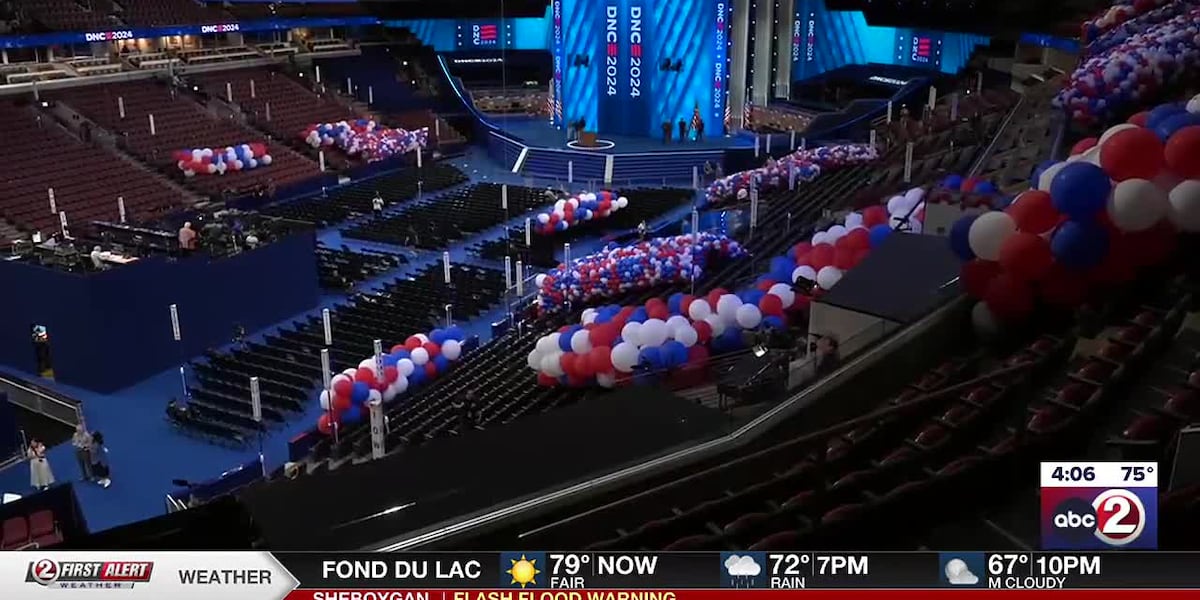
x: 967, y: 191
x: 1118, y: 19
x: 1133, y: 69
x: 611, y: 341
x: 587, y: 206
x: 365, y: 138
x: 419, y: 359
x: 806, y: 163
x: 1112, y: 208
x: 217, y: 161
x: 617, y: 269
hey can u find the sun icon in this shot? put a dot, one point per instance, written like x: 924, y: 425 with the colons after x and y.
x: 523, y: 571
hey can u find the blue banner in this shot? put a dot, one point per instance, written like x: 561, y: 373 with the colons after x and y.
x: 556, y: 41
x: 639, y: 67
x: 720, y: 87
x: 610, y: 74
x: 804, y: 42
x: 624, y: 75
x: 84, y: 37
x: 483, y: 34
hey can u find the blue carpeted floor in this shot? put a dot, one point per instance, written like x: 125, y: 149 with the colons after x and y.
x: 146, y: 453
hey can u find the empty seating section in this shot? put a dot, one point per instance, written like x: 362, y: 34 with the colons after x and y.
x: 65, y: 15
x: 156, y: 13
x: 354, y: 199
x: 28, y: 532
x: 288, y: 362
x: 181, y: 124
x: 644, y: 205
x: 532, y: 102
x: 201, y: 56
x: 293, y: 107
x: 341, y: 268
x: 150, y: 60
x: 86, y: 179
x: 292, y: 10
x: 452, y: 218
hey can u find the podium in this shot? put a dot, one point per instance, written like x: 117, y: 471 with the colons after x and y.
x: 587, y: 139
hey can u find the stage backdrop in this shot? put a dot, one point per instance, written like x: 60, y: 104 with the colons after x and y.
x: 824, y: 40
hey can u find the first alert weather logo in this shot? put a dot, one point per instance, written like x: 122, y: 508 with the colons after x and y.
x: 523, y: 571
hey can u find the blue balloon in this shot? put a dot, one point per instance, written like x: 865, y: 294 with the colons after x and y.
x: 753, y: 296
x: 564, y: 341
x: 390, y: 360
x: 354, y: 414
x: 1079, y: 245
x: 878, y: 234
x: 985, y: 188
x: 960, y: 233
x: 1036, y: 176
x: 417, y: 377
x: 953, y: 182
x: 639, y: 315
x: 455, y: 333
x: 781, y: 264
x: 773, y: 322
x: 441, y: 363
x: 675, y: 353
x: 359, y: 392
x: 675, y: 303
x: 1167, y: 128
x: 652, y: 357
x: 1162, y: 113
x: 732, y: 338
x: 402, y: 354
x: 437, y: 336
x: 1080, y: 190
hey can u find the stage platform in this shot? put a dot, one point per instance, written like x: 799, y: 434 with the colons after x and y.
x: 537, y: 131
x: 358, y: 506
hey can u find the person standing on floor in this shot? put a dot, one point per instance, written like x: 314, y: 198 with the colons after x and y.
x: 82, y: 441
x: 40, y: 475
x: 377, y: 205
x: 100, y: 460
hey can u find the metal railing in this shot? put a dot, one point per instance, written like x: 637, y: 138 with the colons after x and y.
x: 987, y: 152
x: 63, y: 410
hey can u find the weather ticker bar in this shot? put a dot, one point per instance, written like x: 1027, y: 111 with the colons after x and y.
x: 746, y: 570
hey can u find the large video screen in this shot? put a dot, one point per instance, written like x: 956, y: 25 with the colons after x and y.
x: 485, y: 34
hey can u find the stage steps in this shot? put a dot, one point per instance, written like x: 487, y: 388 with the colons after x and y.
x: 660, y: 166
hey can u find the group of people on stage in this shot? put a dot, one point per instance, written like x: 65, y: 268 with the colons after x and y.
x: 90, y: 453
x: 684, y: 129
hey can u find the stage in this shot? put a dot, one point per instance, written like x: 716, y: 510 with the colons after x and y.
x: 537, y: 131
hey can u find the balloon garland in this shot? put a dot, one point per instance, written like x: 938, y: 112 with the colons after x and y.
x: 419, y: 359
x: 617, y: 269
x: 1134, y: 68
x: 807, y: 164
x: 365, y: 138
x: 583, y: 207
x: 218, y: 161
x: 1110, y: 209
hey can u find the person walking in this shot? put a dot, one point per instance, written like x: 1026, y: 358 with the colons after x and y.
x: 377, y: 205
x: 100, y: 468
x: 82, y: 441
x: 40, y: 475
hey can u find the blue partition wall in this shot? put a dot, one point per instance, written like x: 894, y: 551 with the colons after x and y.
x: 110, y: 330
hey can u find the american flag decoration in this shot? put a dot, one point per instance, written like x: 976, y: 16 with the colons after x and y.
x: 728, y: 115
x: 696, y: 119
x: 550, y: 102
x: 747, y: 112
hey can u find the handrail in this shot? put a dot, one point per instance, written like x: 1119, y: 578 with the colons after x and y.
x: 736, y: 438
x: 987, y: 152
x: 74, y: 408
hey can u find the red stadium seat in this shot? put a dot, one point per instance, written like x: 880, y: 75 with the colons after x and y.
x: 15, y: 533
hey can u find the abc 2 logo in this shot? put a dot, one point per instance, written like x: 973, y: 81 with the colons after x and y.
x: 1099, y: 518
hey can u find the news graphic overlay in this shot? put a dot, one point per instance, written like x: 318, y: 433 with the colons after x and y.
x: 522, y: 569
x: 743, y: 570
x: 95, y: 574
x: 962, y: 569
x: 1099, y: 505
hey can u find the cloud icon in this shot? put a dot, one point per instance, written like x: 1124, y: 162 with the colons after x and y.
x: 958, y: 573
x: 742, y: 566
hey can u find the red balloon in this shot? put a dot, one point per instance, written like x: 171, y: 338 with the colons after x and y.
x: 574, y: 381
x: 765, y: 285
x: 1009, y: 298
x: 703, y: 331
x: 697, y: 355
x: 977, y: 275
x: 398, y: 347
x: 715, y: 295
x: 432, y: 348
x: 600, y: 359
x: 603, y: 335
x: 1116, y: 269
x: 431, y: 370
x: 545, y: 380
x: 968, y: 185
x: 686, y: 303
x: 802, y: 248
x: 341, y: 403
x: 802, y: 303
x: 567, y: 362
x: 364, y: 374
x: 860, y: 255
x: 658, y: 311
x: 412, y: 343
x: 874, y: 215
x: 390, y: 374
x: 821, y: 256
x: 1134, y: 153
x: 1026, y: 256
x: 1064, y: 288
x: 843, y: 258
x: 1139, y: 119
x: 771, y: 305
x: 857, y: 238
x: 1152, y: 246
x: 1084, y: 145
x: 1183, y: 152
x: 325, y: 424
x: 1034, y: 212
x: 583, y: 366
x: 343, y: 387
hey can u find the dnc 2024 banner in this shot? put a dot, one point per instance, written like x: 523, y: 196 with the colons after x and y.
x: 625, y: 71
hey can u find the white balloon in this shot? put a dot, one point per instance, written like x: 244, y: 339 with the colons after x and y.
x: 374, y: 396
x: 785, y: 293
x: 451, y: 349
x: 699, y: 309
x: 624, y: 357
x: 339, y: 377
x: 630, y: 331
x: 588, y: 316
x: 551, y: 364
x: 549, y: 343
x: 828, y: 277
x: 350, y: 373
x: 984, y: 321
x: 1092, y: 155
x: 1185, y: 204
x: 606, y: 380
x: 420, y: 356
x: 405, y: 367
x: 727, y: 307
x: 420, y: 336
x: 1115, y: 129
x: 748, y: 316
x: 534, y: 360
x: 539, y: 280
x: 687, y: 336
x: 389, y: 393
x: 653, y: 333
x: 853, y: 219
x: 369, y: 363
x: 804, y: 271
x: 914, y: 196
x: 820, y: 237
x: 1137, y: 204
x: 580, y: 342
x: 324, y: 399
x: 1047, y: 176
x: 988, y: 232
x: 835, y: 233
x: 1193, y: 105
x: 400, y: 385
x: 676, y: 322
x: 716, y: 323
x: 895, y: 204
